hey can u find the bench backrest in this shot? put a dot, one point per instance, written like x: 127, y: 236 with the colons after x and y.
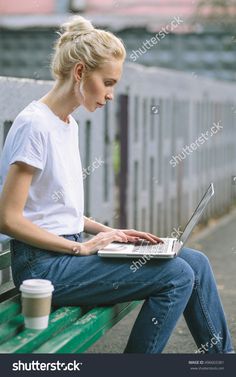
x: 7, y: 289
x: 5, y: 259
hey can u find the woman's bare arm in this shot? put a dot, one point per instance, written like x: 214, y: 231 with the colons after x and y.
x: 12, y: 221
x: 93, y: 227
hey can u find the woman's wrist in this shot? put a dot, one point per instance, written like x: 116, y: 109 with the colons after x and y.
x: 71, y: 246
x: 78, y: 249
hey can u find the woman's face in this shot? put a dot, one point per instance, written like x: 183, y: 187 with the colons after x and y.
x: 98, y: 87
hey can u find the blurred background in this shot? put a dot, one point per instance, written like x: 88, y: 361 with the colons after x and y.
x: 203, y: 44
x: 170, y: 131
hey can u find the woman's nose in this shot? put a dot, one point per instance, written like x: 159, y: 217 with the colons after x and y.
x: 109, y: 96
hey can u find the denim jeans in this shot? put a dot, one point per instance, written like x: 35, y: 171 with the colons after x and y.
x: 183, y: 285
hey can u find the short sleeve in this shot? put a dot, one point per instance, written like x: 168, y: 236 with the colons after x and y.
x: 29, y: 146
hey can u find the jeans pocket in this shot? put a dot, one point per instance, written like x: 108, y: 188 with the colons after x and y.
x: 19, y: 262
x: 26, y: 257
x: 40, y: 265
x: 35, y: 254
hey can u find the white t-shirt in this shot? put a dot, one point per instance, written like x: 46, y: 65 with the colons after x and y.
x: 56, y: 196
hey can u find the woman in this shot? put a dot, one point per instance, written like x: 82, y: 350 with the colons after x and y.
x: 41, y: 159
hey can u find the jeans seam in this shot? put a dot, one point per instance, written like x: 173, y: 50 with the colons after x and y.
x: 102, y: 282
x: 211, y: 328
x: 153, y: 343
x: 156, y: 337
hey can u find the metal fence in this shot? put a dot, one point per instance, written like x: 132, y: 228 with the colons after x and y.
x: 178, y: 135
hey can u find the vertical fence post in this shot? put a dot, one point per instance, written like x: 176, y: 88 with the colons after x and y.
x: 124, y: 142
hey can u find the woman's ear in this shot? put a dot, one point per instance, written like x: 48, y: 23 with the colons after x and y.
x: 78, y: 71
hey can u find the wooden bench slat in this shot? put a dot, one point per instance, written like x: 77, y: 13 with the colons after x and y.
x: 11, y: 328
x: 96, y: 335
x: 27, y: 340
x: 79, y: 336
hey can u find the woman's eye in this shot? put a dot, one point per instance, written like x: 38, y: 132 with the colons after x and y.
x: 108, y: 83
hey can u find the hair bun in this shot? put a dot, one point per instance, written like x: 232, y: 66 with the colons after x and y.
x: 79, y: 41
x: 78, y: 24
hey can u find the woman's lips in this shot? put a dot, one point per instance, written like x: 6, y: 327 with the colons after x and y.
x: 100, y: 104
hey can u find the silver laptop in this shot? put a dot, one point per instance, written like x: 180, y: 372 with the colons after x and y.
x: 171, y: 246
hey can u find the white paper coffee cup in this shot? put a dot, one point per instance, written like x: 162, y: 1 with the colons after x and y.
x: 36, y: 297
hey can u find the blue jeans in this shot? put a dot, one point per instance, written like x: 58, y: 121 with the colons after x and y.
x: 169, y: 287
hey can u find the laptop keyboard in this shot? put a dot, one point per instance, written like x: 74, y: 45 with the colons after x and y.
x: 147, y: 249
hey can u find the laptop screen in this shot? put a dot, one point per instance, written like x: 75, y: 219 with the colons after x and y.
x: 197, y: 213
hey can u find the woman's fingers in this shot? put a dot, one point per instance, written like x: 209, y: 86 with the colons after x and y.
x: 156, y: 238
x: 152, y: 238
x: 143, y: 235
x: 133, y: 239
x: 149, y: 237
x: 118, y: 233
x: 114, y: 238
x: 103, y: 239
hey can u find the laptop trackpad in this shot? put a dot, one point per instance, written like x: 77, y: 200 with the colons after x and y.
x: 118, y: 247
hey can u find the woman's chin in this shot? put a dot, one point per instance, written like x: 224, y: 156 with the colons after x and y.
x: 91, y: 109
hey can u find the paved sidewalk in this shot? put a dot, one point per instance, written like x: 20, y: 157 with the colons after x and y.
x: 218, y: 242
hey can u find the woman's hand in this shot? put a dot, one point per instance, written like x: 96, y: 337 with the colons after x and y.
x: 103, y: 239
x: 135, y: 236
x: 98, y: 242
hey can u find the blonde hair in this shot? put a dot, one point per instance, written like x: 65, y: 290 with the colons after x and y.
x: 80, y: 41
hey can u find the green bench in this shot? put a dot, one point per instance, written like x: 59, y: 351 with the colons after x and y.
x: 72, y: 329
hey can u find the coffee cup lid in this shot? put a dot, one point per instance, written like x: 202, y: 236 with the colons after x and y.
x: 36, y: 286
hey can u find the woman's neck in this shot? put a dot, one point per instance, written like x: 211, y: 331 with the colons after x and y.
x: 61, y: 100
